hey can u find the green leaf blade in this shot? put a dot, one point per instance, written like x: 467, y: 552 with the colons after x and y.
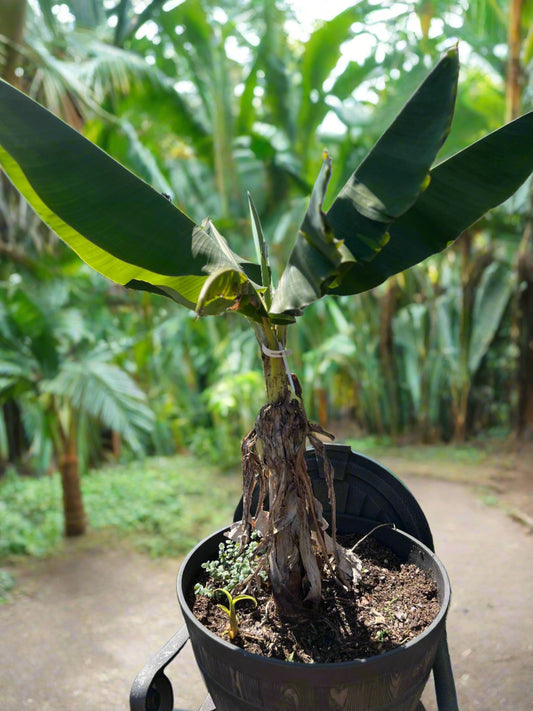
x: 395, y: 171
x: 492, y: 297
x: 105, y: 393
x: 98, y: 207
x: 316, y: 259
x: 462, y: 189
x: 385, y: 185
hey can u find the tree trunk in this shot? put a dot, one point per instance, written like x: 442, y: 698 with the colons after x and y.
x: 513, y: 82
x: 281, y: 429
x: 386, y: 352
x: 14, y: 431
x: 116, y: 444
x: 525, y: 304
x: 525, y: 255
x: 12, y: 16
x: 322, y: 407
x: 294, y: 573
x: 75, y: 519
x: 473, y: 265
x: 462, y: 389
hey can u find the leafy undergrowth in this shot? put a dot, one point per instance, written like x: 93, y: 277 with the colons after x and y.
x: 30, y: 515
x: 7, y: 583
x: 375, y: 447
x: 165, y: 505
x: 162, y: 506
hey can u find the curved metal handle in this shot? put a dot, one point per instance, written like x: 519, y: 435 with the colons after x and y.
x: 151, y: 689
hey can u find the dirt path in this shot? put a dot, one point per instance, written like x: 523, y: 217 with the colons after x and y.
x: 83, y: 623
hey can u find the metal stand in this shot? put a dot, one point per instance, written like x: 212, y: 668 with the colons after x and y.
x: 365, y: 491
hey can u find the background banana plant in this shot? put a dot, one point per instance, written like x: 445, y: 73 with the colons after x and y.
x: 396, y: 209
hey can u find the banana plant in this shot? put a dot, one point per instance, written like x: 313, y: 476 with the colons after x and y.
x: 396, y: 209
x: 466, y: 330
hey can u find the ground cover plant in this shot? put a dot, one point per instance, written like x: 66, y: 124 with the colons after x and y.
x: 158, y: 505
x: 396, y: 209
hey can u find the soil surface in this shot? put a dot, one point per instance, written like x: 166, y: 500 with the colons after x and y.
x: 394, y: 603
x: 81, y: 625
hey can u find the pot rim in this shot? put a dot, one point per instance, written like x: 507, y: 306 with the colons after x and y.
x: 186, y: 610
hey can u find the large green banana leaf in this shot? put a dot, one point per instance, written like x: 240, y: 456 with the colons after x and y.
x: 115, y: 222
x: 384, y: 186
x: 394, y: 211
x: 462, y: 189
x: 321, y: 54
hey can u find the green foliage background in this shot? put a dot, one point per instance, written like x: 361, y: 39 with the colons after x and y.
x: 206, y: 100
x: 162, y: 506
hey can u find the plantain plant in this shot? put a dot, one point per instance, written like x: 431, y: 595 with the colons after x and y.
x: 396, y: 209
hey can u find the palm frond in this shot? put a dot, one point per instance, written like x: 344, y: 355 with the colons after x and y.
x: 17, y: 374
x: 105, y: 393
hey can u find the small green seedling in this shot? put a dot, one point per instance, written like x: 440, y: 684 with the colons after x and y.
x: 388, y: 607
x: 233, y: 629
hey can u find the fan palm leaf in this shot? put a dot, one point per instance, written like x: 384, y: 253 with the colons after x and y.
x: 106, y: 394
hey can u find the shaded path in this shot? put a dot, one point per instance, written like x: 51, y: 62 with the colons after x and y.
x: 84, y: 623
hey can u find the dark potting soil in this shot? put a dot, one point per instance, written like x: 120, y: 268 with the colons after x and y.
x: 394, y: 603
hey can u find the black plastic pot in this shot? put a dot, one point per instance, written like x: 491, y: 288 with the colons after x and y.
x: 240, y: 681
